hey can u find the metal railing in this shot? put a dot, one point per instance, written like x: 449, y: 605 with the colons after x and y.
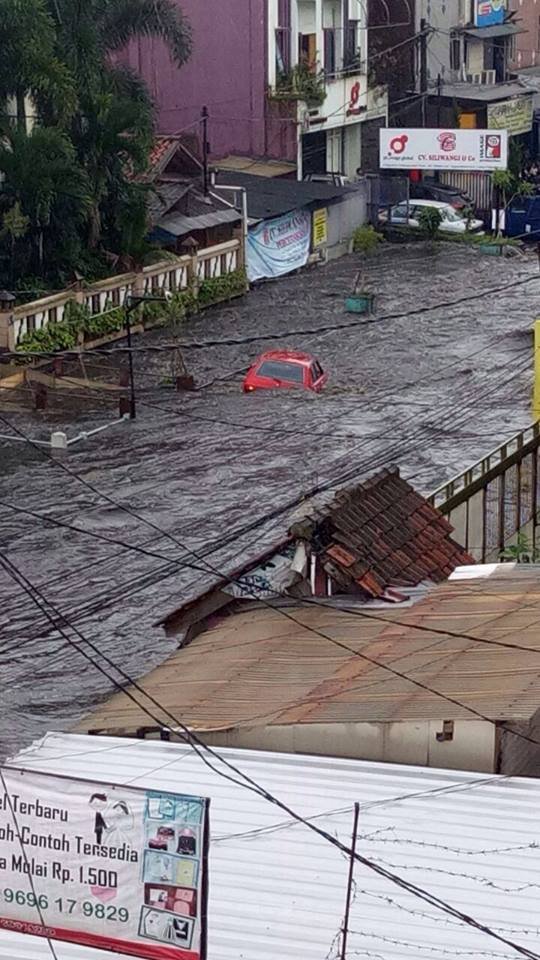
x: 496, y: 498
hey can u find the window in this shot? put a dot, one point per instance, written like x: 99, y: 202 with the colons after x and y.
x: 283, y: 56
x: 307, y: 50
x: 281, y: 370
x: 330, y: 64
x: 455, y: 52
x: 350, y: 45
x: 400, y: 212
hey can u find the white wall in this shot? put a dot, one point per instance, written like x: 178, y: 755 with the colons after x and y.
x: 308, y: 21
x: 473, y: 746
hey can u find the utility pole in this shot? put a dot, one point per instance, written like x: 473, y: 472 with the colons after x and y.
x: 130, y: 304
x: 204, y: 121
x: 132, y: 409
x: 439, y: 88
x: 345, y: 928
x: 423, y: 66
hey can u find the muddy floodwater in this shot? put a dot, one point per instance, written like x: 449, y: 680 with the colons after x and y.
x: 430, y: 392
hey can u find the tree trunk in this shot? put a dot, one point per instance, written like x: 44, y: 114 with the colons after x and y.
x: 21, y: 110
x: 94, y: 231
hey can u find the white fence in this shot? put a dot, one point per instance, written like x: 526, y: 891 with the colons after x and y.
x: 170, y: 275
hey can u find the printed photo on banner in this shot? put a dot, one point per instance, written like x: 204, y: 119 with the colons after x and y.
x: 114, y: 868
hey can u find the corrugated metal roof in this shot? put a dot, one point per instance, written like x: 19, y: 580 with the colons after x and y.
x: 177, y: 224
x: 278, y: 891
x: 270, y: 197
x: 484, y: 91
x: 259, y: 668
x: 489, y: 33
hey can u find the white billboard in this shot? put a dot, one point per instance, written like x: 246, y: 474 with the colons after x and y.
x: 420, y: 149
x: 104, y: 866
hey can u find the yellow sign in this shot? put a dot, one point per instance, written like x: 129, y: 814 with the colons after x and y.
x: 467, y: 121
x: 320, y: 227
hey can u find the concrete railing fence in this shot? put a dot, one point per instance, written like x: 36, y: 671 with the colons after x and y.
x: 173, y: 274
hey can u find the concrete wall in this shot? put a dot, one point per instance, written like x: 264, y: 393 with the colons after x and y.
x: 518, y: 757
x: 527, y: 45
x: 473, y: 746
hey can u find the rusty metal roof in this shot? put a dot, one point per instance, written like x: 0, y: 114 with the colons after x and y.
x: 260, y: 668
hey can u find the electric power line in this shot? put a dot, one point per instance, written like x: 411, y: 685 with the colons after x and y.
x: 250, y: 784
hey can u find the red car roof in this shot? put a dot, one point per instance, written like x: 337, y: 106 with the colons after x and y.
x: 294, y: 356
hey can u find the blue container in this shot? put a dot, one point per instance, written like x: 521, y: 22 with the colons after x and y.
x: 360, y: 303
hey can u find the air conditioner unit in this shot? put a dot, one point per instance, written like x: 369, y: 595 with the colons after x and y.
x: 490, y: 77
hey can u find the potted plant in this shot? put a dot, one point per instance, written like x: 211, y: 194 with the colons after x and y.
x: 360, y: 300
x: 365, y: 240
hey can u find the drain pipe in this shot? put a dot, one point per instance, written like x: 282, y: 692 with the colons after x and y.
x: 243, y: 192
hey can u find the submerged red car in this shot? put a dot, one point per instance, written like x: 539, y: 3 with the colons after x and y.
x: 285, y: 368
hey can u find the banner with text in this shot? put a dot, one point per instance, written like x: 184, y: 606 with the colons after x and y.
x: 420, y: 149
x: 111, y: 867
x: 275, y: 247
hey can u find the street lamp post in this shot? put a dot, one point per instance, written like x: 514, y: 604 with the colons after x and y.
x: 130, y: 304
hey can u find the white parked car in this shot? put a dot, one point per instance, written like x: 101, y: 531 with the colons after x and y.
x: 452, y: 221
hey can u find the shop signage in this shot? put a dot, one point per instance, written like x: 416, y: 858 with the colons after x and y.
x: 109, y: 867
x: 320, y: 227
x: 346, y: 102
x: 275, y: 247
x: 514, y: 116
x: 489, y: 12
x: 420, y: 149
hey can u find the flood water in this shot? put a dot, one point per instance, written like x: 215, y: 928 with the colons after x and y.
x: 430, y: 393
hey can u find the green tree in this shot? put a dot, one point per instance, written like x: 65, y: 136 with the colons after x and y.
x: 44, y: 184
x: 112, y: 128
x: 30, y: 66
x: 430, y: 220
x: 89, y: 32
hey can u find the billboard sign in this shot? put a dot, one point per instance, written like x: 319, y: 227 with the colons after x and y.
x: 109, y: 867
x: 488, y: 13
x: 421, y: 149
x: 514, y: 116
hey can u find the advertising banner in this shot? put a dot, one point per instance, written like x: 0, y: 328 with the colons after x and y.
x: 110, y: 867
x: 489, y: 12
x: 514, y: 116
x: 276, y: 247
x: 420, y: 149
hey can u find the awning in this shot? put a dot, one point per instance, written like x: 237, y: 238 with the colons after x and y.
x: 260, y: 168
x: 176, y: 224
x: 488, y: 33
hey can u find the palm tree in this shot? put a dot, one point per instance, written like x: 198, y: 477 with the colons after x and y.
x: 29, y: 66
x: 90, y: 31
x: 112, y: 127
x: 44, y: 184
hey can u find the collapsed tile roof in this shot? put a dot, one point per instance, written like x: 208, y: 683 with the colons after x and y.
x: 382, y: 532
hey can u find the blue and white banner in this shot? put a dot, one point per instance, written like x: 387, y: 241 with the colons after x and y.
x: 275, y: 247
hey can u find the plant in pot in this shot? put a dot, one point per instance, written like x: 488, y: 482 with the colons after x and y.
x: 365, y: 240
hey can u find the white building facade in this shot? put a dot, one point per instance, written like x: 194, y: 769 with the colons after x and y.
x: 324, y: 42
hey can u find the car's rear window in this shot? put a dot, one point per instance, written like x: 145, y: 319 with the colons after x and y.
x: 280, y: 370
